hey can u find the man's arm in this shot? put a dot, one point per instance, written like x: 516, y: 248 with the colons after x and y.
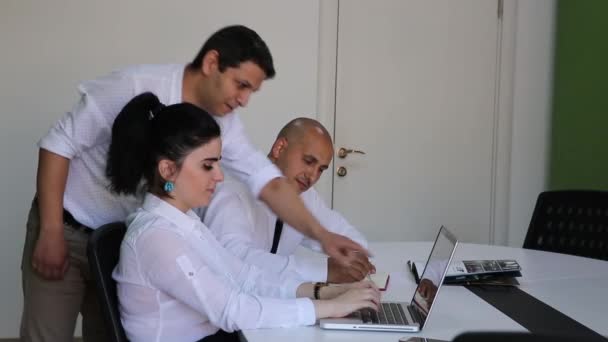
x: 231, y: 217
x: 281, y: 197
x: 360, y: 265
x: 87, y: 124
x: 50, y: 253
x: 330, y: 219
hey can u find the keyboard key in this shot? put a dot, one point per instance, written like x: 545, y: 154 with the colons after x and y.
x: 398, y: 318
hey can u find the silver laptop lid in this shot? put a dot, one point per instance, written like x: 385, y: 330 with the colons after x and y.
x: 434, y: 271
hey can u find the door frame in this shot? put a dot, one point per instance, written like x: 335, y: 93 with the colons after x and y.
x: 502, y: 115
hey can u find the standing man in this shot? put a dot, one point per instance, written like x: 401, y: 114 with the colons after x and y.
x: 73, y: 195
x: 249, y: 229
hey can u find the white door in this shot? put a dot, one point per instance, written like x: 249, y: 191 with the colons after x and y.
x: 415, y: 91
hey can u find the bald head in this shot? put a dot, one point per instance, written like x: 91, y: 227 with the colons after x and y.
x: 302, y: 151
x: 299, y: 129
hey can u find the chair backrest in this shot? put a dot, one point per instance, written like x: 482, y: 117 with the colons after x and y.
x: 103, y: 251
x: 572, y: 222
x: 518, y: 337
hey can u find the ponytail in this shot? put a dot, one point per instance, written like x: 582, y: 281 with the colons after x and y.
x: 128, y: 157
x: 144, y: 132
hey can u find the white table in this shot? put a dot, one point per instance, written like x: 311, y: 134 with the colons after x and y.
x: 576, y: 286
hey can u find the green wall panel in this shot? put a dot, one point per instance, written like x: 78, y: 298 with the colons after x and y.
x: 579, y: 140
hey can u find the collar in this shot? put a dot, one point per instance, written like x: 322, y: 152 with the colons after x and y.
x: 157, y: 206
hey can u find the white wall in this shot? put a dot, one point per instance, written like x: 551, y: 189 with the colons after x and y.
x: 532, y: 94
x: 48, y: 47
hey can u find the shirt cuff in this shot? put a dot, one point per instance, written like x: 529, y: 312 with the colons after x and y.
x: 290, y: 285
x: 306, y: 311
x: 311, y: 268
x: 258, y: 180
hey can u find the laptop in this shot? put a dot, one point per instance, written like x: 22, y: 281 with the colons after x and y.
x: 401, y: 316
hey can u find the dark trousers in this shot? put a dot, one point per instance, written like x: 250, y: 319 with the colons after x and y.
x: 222, y: 336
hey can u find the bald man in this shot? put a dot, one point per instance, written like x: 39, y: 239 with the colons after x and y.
x: 246, y: 226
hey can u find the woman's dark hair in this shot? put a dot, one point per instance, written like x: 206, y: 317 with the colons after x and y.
x: 145, y: 131
x: 235, y: 45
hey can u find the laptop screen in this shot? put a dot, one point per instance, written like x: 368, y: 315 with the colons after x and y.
x: 433, y: 274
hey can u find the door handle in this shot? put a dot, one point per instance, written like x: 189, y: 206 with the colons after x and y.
x: 343, y: 152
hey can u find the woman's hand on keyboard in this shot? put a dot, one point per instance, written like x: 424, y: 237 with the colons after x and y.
x: 355, y: 296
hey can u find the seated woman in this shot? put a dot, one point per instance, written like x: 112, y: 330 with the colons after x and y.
x: 175, y: 281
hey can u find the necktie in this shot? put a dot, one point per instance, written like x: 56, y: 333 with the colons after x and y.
x: 278, y: 228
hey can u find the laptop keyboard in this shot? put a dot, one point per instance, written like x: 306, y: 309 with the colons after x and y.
x: 388, y: 313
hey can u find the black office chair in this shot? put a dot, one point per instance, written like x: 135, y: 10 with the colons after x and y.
x: 103, y: 251
x: 520, y: 337
x: 572, y: 222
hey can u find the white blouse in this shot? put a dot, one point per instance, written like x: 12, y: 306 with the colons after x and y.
x: 175, y: 282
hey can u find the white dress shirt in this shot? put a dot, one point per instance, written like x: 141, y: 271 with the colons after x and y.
x: 177, y: 283
x: 245, y: 226
x: 83, y: 135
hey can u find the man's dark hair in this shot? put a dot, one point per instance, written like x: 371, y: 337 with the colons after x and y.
x: 235, y: 45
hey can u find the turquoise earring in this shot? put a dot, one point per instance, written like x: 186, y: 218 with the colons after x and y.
x: 169, y: 186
